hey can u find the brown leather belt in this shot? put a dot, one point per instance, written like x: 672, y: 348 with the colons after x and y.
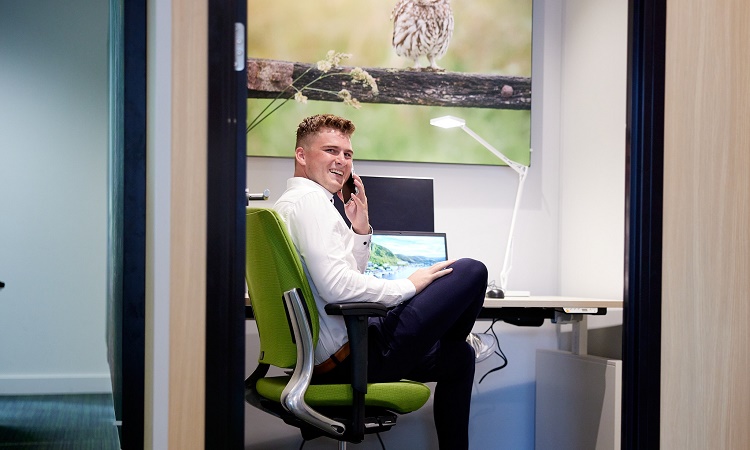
x: 333, y: 361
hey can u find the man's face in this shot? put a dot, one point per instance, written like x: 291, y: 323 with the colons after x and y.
x: 326, y: 158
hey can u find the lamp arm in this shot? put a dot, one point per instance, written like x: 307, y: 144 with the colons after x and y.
x: 507, y: 264
x: 519, y: 168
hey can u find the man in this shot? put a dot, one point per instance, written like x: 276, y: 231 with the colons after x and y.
x: 423, y: 336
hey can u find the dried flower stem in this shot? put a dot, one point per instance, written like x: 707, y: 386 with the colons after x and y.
x: 331, y: 61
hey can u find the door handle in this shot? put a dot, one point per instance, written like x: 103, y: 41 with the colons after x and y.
x: 257, y: 197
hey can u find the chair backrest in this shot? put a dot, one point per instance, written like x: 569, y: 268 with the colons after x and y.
x: 273, y: 266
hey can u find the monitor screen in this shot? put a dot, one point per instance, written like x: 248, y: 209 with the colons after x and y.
x: 398, y: 203
x: 397, y: 254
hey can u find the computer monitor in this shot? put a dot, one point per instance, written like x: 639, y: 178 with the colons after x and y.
x: 398, y: 203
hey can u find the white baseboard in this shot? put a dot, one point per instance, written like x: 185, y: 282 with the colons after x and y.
x: 55, y: 384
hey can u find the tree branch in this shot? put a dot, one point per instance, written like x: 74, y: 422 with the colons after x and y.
x: 266, y: 78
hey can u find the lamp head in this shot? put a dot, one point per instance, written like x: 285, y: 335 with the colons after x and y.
x: 447, y: 122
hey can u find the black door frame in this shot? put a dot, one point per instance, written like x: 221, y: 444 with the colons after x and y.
x: 643, y: 229
x: 225, y: 332
x: 126, y: 254
x: 225, y: 256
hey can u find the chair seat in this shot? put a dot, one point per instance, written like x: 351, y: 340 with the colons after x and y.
x: 401, y: 397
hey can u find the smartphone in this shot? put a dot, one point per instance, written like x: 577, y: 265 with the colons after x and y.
x: 349, y: 189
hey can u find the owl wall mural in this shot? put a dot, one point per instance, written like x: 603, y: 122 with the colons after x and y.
x: 422, y: 28
x: 424, y: 58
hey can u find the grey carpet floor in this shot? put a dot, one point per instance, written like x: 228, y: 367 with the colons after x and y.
x: 58, y: 422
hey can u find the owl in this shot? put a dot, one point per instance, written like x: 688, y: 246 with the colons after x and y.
x: 422, y: 28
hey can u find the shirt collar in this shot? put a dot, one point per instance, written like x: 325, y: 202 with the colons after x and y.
x: 306, y: 182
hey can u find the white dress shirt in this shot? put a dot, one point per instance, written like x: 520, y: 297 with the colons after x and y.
x: 334, y: 258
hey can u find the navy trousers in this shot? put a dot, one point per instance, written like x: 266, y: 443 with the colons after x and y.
x: 424, y: 339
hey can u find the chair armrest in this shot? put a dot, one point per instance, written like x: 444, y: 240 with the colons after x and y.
x: 367, y: 309
x: 355, y: 315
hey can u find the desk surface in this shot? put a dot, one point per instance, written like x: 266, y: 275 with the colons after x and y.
x: 533, y: 310
x: 550, y: 301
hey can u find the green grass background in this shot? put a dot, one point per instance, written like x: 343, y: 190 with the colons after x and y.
x: 490, y: 36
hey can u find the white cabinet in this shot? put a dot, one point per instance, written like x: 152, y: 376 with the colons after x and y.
x: 578, y: 401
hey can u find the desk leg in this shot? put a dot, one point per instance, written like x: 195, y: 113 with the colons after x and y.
x: 580, y: 339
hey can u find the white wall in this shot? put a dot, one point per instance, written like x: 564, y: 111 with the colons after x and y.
x: 53, y: 196
x: 569, y: 232
x: 593, y: 118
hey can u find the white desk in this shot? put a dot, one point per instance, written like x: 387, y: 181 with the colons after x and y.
x: 578, y: 397
x: 559, y: 309
x: 550, y: 301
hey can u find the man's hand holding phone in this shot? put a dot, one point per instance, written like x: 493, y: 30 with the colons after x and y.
x: 355, y: 204
x: 348, y: 189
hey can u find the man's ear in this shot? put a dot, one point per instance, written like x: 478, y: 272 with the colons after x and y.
x: 299, y: 155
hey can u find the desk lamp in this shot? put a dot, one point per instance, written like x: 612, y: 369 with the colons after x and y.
x: 520, y: 169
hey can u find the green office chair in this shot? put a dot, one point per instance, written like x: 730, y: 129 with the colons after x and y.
x: 287, y: 319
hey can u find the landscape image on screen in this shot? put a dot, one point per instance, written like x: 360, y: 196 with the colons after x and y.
x: 398, y: 256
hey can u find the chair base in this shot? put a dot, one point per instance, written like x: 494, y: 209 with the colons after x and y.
x: 376, y: 419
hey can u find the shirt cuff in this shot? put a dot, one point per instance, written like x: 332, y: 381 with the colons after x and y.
x: 357, y: 235
x: 407, y: 287
x: 362, y: 241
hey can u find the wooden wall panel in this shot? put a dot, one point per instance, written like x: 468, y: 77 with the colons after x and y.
x: 188, y: 225
x: 706, y: 292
